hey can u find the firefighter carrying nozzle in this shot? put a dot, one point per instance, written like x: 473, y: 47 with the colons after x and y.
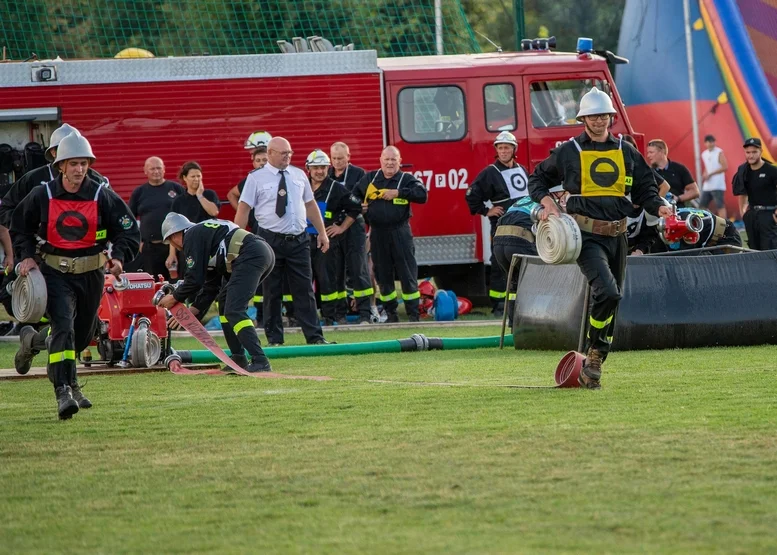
x: 672, y: 228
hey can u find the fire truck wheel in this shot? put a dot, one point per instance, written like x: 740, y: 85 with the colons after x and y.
x: 146, y: 348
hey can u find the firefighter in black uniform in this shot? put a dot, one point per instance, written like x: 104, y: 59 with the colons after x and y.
x: 22, y: 187
x: 755, y: 183
x: 515, y: 235
x: 339, y: 212
x: 501, y: 184
x: 357, y: 270
x: 75, y: 217
x: 599, y: 171
x: 386, y: 195
x: 241, y: 260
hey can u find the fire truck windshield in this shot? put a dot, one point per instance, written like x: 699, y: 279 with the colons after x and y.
x: 556, y: 103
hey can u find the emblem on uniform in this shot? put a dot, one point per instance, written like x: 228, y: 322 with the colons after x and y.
x: 189, y: 262
x: 282, y: 193
x: 171, y: 193
x: 604, y: 172
x: 125, y: 222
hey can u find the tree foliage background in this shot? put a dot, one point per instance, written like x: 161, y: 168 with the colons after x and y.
x: 566, y: 19
x: 101, y: 28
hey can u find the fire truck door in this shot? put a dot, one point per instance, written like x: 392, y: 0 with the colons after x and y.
x: 430, y: 124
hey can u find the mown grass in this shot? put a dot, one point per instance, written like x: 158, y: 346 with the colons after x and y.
x: 678, y: 453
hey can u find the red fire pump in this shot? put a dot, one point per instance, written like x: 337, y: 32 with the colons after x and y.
x: 126, y: 312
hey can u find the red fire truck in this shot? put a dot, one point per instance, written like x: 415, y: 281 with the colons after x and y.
x: 443, y: 112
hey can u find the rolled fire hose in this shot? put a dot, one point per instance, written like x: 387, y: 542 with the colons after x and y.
x: 29, y: 297
x: 558, y: 240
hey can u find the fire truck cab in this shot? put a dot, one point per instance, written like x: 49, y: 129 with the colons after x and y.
x: 442, y: 112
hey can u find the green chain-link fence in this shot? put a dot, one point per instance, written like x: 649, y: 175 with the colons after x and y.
x: 101, y: 28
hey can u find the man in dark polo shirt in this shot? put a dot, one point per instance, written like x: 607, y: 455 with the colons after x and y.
x: 681, y: 182
x: 755, y: 183
x: 150, y: 203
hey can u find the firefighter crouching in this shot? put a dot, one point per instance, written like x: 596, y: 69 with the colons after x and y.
x: 515, y: 235
x: 75, y: 217
x: 599, y: 171
x: 242, y: 262
x: 386, y: 195
x: 501, y: 184
x: 339, y: 212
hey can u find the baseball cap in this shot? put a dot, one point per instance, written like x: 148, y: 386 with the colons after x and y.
x: 752, y: 141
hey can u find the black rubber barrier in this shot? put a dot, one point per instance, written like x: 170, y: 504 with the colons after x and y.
x: 669, y: 302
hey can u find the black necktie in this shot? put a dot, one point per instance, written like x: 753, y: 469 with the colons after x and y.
x: 280, y: 201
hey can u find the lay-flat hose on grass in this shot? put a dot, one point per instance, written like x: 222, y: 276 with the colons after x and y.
x: 29, y: 297
x: 417, y: 342
x: 558, y: 240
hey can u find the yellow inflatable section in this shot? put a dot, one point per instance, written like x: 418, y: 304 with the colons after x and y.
x: 134, y: 53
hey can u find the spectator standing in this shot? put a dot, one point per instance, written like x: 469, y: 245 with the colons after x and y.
x: 357, y: 271
x: 386, y: 195
x: 150, y: 203
x: 681, y: 183
x: 281, y: 198
x: 714, y: 176
x: 197, y: 204
x: 755, y: 183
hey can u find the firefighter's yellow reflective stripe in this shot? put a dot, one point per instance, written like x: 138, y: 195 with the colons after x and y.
x: 287, y: 298
x: 48, y: 333
x: 400, y: 201
x: 258, y: 299
x: 61, y: 356
x: 511, y: 296
x: 411, y: 296
x: 328, y: 298
x: 242, y: 324
x: 223, y: 319
x: 496, y: 294
x: 342, y: 294
x: 600, y: 324
x: 328, y: 215
x: 101, y: 234
x: 44, y: 320
x: 609, y: 339
x: 390, y: 297
x: 363, y: 292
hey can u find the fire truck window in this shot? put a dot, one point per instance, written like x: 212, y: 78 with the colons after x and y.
x: 500, y: 107
x: 556, y: 103
x: 432, y: 114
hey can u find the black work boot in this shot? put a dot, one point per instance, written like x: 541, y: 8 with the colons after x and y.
x: 592, y: 370
x: 259, y: 364
x: 66, y: 405
x: 240, y: 360
x: 23, y: 358
x: 393, y: 318
x: 78, y: 396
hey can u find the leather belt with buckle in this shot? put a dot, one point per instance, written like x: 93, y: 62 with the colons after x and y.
x: 601, y: 227
x: 77, y: 265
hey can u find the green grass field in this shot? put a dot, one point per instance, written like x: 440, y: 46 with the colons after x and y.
x: 678, y: 453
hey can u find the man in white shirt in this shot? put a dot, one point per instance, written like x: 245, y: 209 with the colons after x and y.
x: 714, y: 176
x: 282, y: 199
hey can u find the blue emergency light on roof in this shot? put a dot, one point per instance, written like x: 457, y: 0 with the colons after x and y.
x: 585, y: 45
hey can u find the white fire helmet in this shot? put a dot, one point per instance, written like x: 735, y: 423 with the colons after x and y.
x: 317, y: 158
x: 595, y: 102
x: 257, y: 139
x: 506, y: 138
x: 56, y: 137
x: 74, y: 146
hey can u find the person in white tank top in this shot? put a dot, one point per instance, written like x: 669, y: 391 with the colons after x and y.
x: 714, y: 176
